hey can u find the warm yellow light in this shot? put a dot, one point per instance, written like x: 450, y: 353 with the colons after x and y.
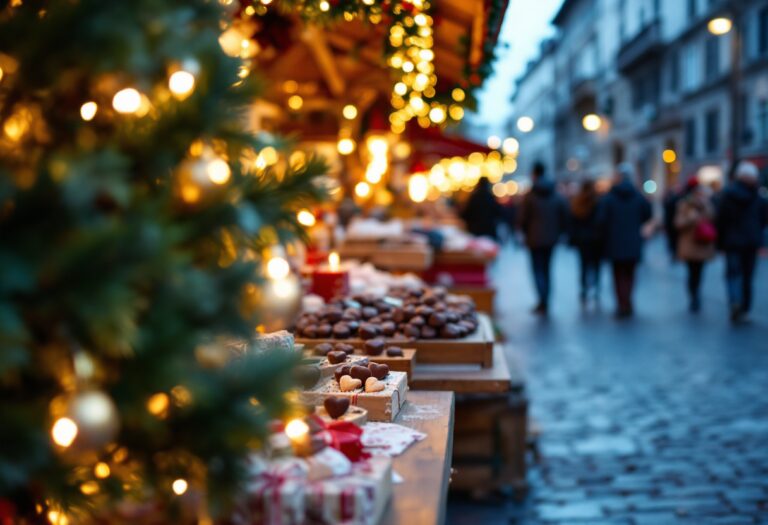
x: 512, y: 187
x: 720, y: 26
x: 592, y: 122
x: 407, y: 66
x: 157, y: 405
x: 89, y: 488
x: 458, y: 94
x: 101, y: 470
x: 295, y: 102
x: 278, y: 268
x: 334, y: 261
x: 179, y: 486
x: 88, y: 110
x: 296, y: 429
x: 349, y: 112
x: 127, y: 100
x: 373, y: 173
x: 181, y: 83
x: 269, y: 156
x: 417, y: 103
x: 324, y: 6
x: 401, y: 89
x: 418, y: 187
x: 306, y: 218
x: 500, y: 190
x: 377, y: 146
x: 1, y: 74
x: 290, y: 86
x: 669, y: 156
x: 456, y: 112
x: 346, y: 146
x: 362, y: 190
x: 494, y: 142
x: 218, y: 171
x: 510, y: 146
x: 437, y: 115
x: 57, y: 518
x: 525, y: 124
x: 64, y: 432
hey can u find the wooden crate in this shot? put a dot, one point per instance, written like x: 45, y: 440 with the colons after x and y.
x: 476, y: 348
x: 483, y: 296
x: 398, y: 364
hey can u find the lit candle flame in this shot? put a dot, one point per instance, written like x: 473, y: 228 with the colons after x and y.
x: 334, y: 261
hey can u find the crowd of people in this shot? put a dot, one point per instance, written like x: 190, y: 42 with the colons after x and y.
x: 613, y: 226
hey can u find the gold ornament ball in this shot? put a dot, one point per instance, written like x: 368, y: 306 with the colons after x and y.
x: 96, y: 417
x: 275, y: 303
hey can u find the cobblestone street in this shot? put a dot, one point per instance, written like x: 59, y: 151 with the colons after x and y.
x: 661, y: 419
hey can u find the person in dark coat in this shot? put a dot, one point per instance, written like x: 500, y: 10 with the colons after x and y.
x: 670, y: 212
x: 741, y: 218
x: 482, y: 212
x: 584, y: 235
x: 622, y: 213
x: 542, y: 218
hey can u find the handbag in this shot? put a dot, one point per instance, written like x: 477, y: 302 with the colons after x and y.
x: 705, y: 232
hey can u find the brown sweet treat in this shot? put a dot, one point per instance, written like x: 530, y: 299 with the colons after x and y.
x: 436, y: 320
x: 341, y: 331
x: 450, y: 331
x: 323, y: 349
x: 395, y: 351
x: 332, y: 315
x: 360, y: 372
x: 469, y: 325
x: 409, y: 311
x: 411, y: 331
x: 336, y: 406
x: 451, y: 316
x: 429, y: 299
x: 368, y: 331
x: 344, y: 347
x: 353, y: 326
x: 310, y: 331
x: 324, y: 330
x: 341, y: 371
x: 351, y: 313
x: 427, y: 332
x: 399, y: 336
x: 378, y: 371
x: 424, y: 311
x: 376, y: 320
x: 417, y: 321
x: 336, y: 357
x: 440, y: 307
x: 398, y: 315
x: 374, y: 346
x: 388, y: 328
x: 416, y: 292
x: 368, y: 312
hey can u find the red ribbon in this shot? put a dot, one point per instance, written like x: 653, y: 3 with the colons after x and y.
x: 344, y: 436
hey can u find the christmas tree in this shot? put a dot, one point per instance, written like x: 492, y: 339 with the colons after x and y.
x: 137, y: 218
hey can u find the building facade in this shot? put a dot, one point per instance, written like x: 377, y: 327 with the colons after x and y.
x: 661, y: 86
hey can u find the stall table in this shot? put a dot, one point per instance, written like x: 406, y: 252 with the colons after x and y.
x: 425, y: 466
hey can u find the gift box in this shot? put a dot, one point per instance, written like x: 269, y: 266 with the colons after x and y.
x: 359, y: 498
x: 275, y: 494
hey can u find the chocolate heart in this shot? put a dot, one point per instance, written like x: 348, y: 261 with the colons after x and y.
x: 342, y: 371
x: 360, y: 372
x: 395, y: 351
x: 378, y: 371
x: 368, y: 331
x: 336, y: 406
x: 373, y: 385
x: 347, y: 383
x: 323, y: 349
x: 374, y: 347
x: 336, y: 357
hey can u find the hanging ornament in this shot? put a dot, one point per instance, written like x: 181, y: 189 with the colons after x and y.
x: 85, y: 422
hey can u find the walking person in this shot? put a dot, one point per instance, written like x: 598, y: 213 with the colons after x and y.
x: 696, y: 234
x: 542, y: 219
x: 741, y: 218
x: 671, y: 201
x: 482, y: 212
x: 622, y: 213
x: 584, y: 235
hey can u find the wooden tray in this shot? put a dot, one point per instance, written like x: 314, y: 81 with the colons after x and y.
x: 466, y: 379
x: 397, y: 364
x: 476, y: 348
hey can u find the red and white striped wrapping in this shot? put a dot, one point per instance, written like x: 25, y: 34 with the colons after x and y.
x: 275, y: 495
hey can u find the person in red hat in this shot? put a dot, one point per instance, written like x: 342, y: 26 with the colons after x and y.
x: 696, y: 235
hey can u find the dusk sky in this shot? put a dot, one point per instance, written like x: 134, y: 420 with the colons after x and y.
x: 526, y: 23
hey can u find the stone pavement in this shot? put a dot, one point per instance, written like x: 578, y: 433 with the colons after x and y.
x: 662, y: 419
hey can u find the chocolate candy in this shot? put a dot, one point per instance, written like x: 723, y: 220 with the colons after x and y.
x: 351, y: 313
x: 324, y: 330
x: 411, y: 331
x: 341, y: 371
x: 388, y: 328
x: 368, y: 331
x: 353, y: 326
x: 450, y: 331
x: 332, y: 315
x: 341, y: 331
x: 379, y: 371
x: 417, y: 321
x: 323, y: 349
x: 360, y: 372
x: 310, y: 331
x: 336, y: 356
x: 395, y: 351
x: 436, y: 320
x: 427, y: 332
x: 336, y: 406
x: 344, y: 347
x: 424, y: 311
x: 368, y: 312
x: 398, y: 315
x: 374, y: 346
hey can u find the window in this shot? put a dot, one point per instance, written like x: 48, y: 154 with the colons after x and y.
x: 711, y: 131
x: 712, y: 58
x: 690, y: 137
x: 674, y: 71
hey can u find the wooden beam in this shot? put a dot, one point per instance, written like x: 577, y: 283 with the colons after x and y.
x: 315, y: 40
